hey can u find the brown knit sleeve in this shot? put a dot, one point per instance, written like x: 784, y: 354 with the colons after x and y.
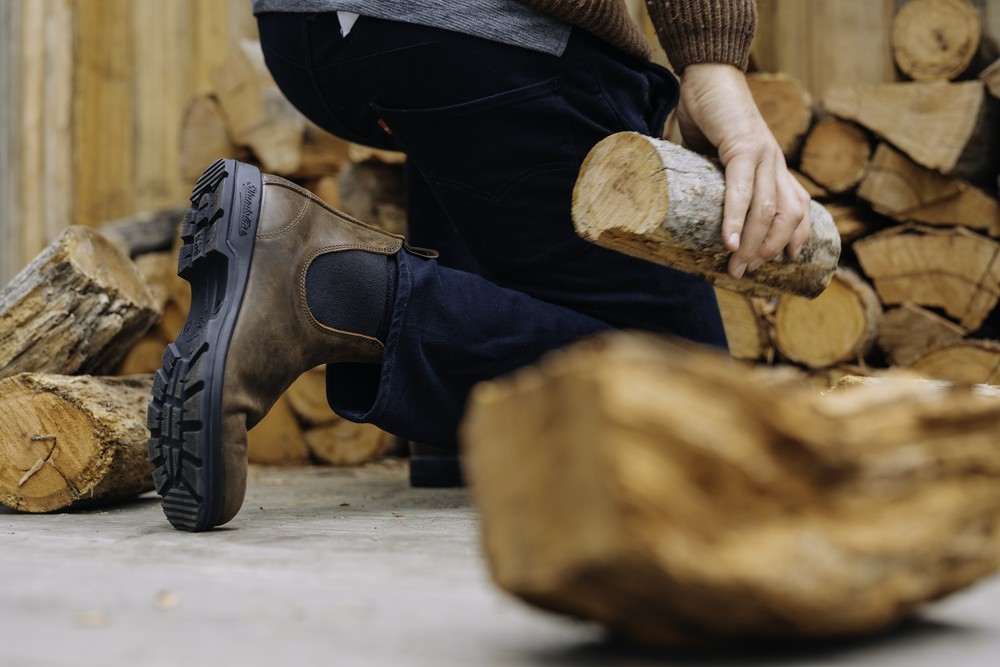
x: 705, y: 31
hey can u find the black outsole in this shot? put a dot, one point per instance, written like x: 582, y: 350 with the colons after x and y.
x: 184, y: 416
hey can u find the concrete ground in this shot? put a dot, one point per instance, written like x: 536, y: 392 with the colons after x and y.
x: 346, y: 567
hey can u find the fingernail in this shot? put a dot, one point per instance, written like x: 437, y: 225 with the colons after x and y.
x: 754, y: 265
x: 739, y: 270
x: 734, y: 240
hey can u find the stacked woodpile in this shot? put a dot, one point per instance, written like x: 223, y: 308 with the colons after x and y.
x: 909, y: 172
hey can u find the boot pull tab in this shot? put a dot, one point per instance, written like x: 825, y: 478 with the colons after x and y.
x: 426, y: 253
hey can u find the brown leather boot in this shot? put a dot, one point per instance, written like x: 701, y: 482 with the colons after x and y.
x: 249, y: 241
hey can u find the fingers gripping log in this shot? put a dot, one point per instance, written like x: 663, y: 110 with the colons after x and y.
x: 657, y: 201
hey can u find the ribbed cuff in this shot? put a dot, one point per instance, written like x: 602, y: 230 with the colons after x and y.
x: 705, y: 31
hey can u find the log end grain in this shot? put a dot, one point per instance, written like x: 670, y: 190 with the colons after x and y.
x: 660, y: 202
x: 72, y: 441
x: 935, y: 39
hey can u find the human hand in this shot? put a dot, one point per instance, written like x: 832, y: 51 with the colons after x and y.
x: 766, y: 211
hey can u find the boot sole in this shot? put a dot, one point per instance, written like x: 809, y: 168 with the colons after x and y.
x: 185, y: 414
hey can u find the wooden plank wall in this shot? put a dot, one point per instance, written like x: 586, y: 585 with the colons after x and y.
x: 93, y: 103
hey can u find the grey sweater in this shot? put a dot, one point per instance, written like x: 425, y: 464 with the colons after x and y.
x: 503, y: 21
x: 691, y: 31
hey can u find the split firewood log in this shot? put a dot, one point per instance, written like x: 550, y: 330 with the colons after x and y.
x: 70, y: 442
x: 76, y: 308
x: 359, y: 153
x: 657, y: 201
x: 836, y: 154
x: 158, y: 270
x: 991, y: 78
x: 909, y: 332
x: 330, y: 438
x: 745, y: 319
x: 840, y: 325
x: 853, y: 221
x: 815, y: 190
x: 326, y: 188
x: 322, y: 154
x: 898, y: 187
x: 956, y: 270
x: 256, y: 112
x: 277, y: 439
x: 205, y: 138
x: 307, y: 398
x: 967, y: 362
x: 147, y: 232
x: 345, y: 443
x: 648, y: 485
x: 944, y: 126
x: 786, y: 107
x: 374, y: 192
x: 935, y: 39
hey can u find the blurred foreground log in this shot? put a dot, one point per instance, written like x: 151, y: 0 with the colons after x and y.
x: 675, y: 495
x: 72, y: 441
x: 657, y: 201
x: 76, y: 308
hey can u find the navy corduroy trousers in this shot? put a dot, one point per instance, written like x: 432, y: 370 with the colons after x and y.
x: 494, y: 136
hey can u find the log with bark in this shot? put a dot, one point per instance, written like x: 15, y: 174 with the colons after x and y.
x: 76, y: 308
x: 898, y: 187
x: 70, y: 442
x: 835, y: 155
x: 675, y: 495
x: 840, y: 325
x: 956, y: 270
x: 948, y: 127
x: 657, y: 201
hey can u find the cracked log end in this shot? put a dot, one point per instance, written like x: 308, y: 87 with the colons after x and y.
x: 673, y: 494
x: 72, y: 441
x: 657, y: 201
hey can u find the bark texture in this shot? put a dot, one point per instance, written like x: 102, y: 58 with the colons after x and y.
x: 675, y: 495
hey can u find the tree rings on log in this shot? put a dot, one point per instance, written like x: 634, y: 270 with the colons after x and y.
x: 785, y: 106
x: 654, y: 200
x: 72, y: 441
x: 836, y: 154
x: 840, y: 325
x: 935, y: 39
x: 953, y: 269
